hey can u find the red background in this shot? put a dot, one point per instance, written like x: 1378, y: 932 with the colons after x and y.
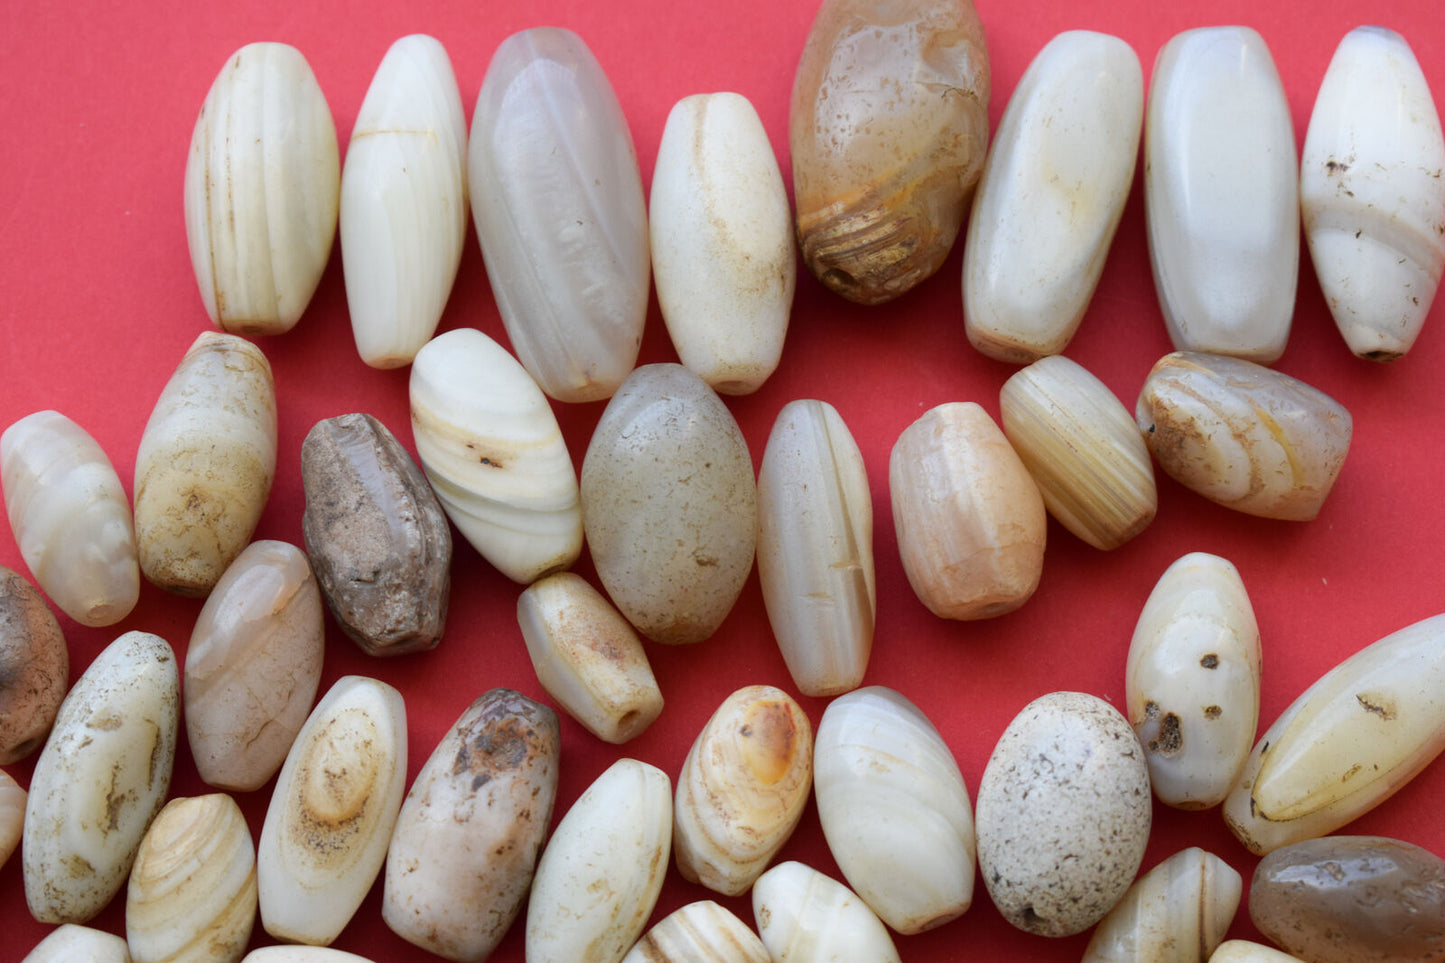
x: 99, y: 303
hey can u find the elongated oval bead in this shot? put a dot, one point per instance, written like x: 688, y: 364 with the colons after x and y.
x: 12, y: 815
x: 970, y: 521
x: 1178, y: 911
x: 71, y: 942
x: 1221, y: 194
x: 192, y: 892
x: 1192, y: 681
x: 71, y: 517
x: 1063, y: 814
x: 1352, y: 899
x: 806, y: 917
x: 253, y: 666
x: 462, y: 855
x: 1242, y: 435
x: 701, y: 932
x: 722, y: 242
x: 205, y: 464
x: 376, y: 536
x: 602, y: 870
x: 1243, y: 951
x: 815, y: 548
x: 670, y: 504
x: 895, y: 810
x: 495, y: 456
x: 588, y: 657
x: 1362, y: 731
x: 888, y: 128
x: 332, y: 812
x: 301, y: 954
x: 1371, y: 193
x: 404, y: 202
x: 742, y: 789
x: 1051, y: 196
x: 101, y: 779
x: 560, y: 213
x: 1083, y: 450
x: 34, y: 668
x: 262, y: 190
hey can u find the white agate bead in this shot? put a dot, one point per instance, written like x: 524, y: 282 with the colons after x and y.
x: 1051, y: 196
x: 1347, y: 744
x: 806, y: 917
x: 722, y: 242
x: 1221, y: 194
x: 404, y: 202
x: 701, y: 932
x: 70, y: 943
x: 1192, y: 681
x: 1178, y: 911
x: 1372, y: 195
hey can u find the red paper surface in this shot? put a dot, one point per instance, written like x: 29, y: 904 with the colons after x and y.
x: 99, y: 303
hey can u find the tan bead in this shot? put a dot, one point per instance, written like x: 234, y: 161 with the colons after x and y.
x: 34, y: 668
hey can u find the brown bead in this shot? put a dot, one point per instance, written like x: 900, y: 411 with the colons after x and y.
x: 1352, y: 899
x: 34, y: 668
x: 377, y: 537
x: 888, y: 129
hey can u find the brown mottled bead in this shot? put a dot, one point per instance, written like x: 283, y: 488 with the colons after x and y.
x: 465, y: 846
x: 1352, y: 899
x: 34, y: 668
x: 888, y: 129
x: 377, y: 536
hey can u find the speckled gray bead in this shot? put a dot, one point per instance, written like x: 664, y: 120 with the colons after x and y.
x: 1063, y: 814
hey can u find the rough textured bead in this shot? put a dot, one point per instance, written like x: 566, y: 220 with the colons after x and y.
x: 1221, y: 194
x: 669, y: 504
x: 466, y: 842
x: 1352, y: 899
x: 701, y: 932
x: 34, y: 668
x: 1362, y: 731
x: 71, y: 517
x: 332, y: 812
x: 101, y: 779
x: 262, y: 190
x: 970, y: 521
x: 495, y: 456
x: 888, y: 129
x: 806, y: 917
x: 192, y: 892
x: 1371, y: 193
x: 376, y: 535
x: 253, y: 666
x: 722, y: 242
x: 588, y: 657
x: 71, y: 943
x: 404, y: 202
x: 1082, y: 449
x: 1175, y: 913
x: 742, y: 789
x: 560, y: 213
x: 1063, y: 814
x: 815, y: 548
x: 1243, y: 435
x: 894, y: 809
x: 1192, y: 679
x: 602, y: 870
x: 205, y: 464
x: 1051, y: 196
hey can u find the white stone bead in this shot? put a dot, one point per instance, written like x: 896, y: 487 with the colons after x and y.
x: 1051, y: 196
x: 722, y: 242
x: 71, y: 943
x: 806, y: 917
x: 1372, y: 193
x: 701, y: 932
x: 1243, y: 951
x: 1221, y: 194
x: 1178, y: 911
x: 404, y: 202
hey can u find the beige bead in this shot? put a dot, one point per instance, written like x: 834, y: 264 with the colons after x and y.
x: 970, y: 521
x: 701, y: 932
x: 1082, y: 448
x: 1175, y: 913
x: 34, y: 668
x: 12, y: 815
x: 72, y: 943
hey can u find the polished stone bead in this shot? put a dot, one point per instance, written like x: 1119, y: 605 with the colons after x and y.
x: 1352, y: 899
x: 888, y: 130
x: 377, y: 536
